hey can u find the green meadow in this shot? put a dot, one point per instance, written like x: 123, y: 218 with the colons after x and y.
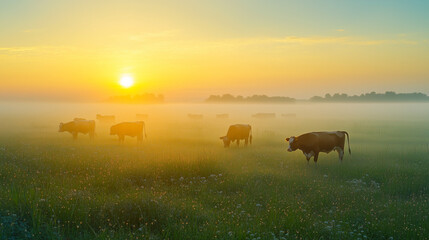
x: 182, y: 184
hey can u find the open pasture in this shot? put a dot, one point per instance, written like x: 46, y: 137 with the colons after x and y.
x: 182, y: 184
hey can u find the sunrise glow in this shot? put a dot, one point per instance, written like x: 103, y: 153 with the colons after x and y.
x: 126, y: 81
x: 197, y: 49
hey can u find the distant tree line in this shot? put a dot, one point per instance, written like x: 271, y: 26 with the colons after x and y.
x: 139, y: 98
x: 228, y: 98
x: 373, y: 97
x: 388, y: 96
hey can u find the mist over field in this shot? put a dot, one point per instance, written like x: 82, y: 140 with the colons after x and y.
x: 181, y: 183
x: 164, y: 119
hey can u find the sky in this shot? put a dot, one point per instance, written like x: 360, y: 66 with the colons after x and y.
x: 189, y: 49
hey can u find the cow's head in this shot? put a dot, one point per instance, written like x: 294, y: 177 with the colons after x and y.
x: 113, y: 130
x: 60, y: 129
x: 293, y: 144
x: 226, y: 141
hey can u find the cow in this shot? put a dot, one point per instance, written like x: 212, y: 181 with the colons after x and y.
x: 141, y: 116
x: 78, y: 125
x: 195, y: 116
x: 264, y: 115
x: 236, y: 133
x: 222, y: 115
x: 132, y: 129
x: 311, y: 144
x: 289, y: 115
x: 105, y: 118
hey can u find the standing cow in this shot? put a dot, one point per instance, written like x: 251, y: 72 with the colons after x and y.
x: 132, y: 129
x: 236, y: 133
x: 311, y: 144
x: 105, y: 118
x: 78, y: 125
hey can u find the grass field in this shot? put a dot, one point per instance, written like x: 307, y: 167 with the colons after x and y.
x: 182, y: 184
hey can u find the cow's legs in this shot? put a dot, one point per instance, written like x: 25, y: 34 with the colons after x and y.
x: 307, y: 156
x: 140, y: 139
x: 316, y: 156
x: 340, y: 153
x: 238, y: 142
x: 121, y: 138
x: 308, y: 159
x: 74, y: 135
x: 91, y: 135
x: 246, y: 140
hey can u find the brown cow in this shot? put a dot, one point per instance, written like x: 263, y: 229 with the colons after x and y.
x: 236, y: 133
x: 132, y: 129
x: 311, y: 144
x: 78, y: 125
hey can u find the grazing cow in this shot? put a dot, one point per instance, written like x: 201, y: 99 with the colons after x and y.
x: 236, y: 133
x: 195, y: 116
x: 78, y: 125
x: 132, y: 129
x: 142, y: 116
x: 264, y: 115
x: 222, y: 115
x: 105, y: 118
x: 311, y: 144
x: 289, y: 115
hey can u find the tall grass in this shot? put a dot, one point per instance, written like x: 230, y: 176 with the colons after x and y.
x: 190, y: 187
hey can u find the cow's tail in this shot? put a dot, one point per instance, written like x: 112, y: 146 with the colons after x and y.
x: 250, y: 136
x: 348, y: 141
x: 144, y: 129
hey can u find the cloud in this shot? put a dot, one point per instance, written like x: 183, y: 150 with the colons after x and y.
x: 27, y: 50
x: 383, y: 42
x: 154, y: 35
x: 31, y: 30
x: 18, y: 51
x: 316, y: 40
x: 310, y: 40
x: 340, y: 30
x: 167, y: 42
x: 6, y: 50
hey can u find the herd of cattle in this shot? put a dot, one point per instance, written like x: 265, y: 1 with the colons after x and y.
x: 81, y: 125
x: 311, y: 144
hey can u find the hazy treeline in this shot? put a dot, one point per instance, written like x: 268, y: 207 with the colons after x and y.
x: 388, y: 96
x: 249, y: 99
x: 373, y: 97
x: 140, y: 98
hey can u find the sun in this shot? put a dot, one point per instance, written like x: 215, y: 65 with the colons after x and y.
x: 126, y: 81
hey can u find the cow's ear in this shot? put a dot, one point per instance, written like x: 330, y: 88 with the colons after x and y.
x: 287, y: 139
